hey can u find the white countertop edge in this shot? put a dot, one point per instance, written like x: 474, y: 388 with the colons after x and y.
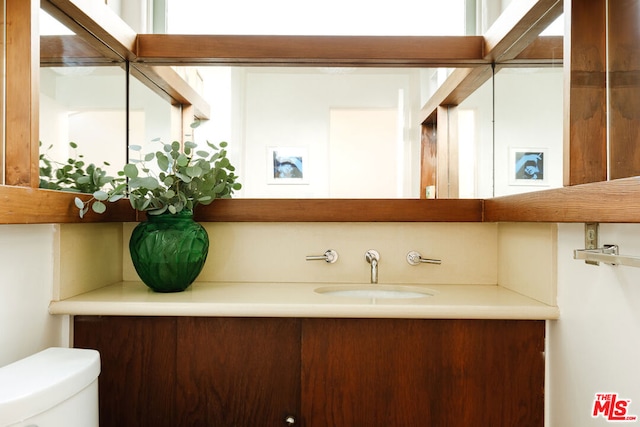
x: 303, y: 310
x: 247, y: 299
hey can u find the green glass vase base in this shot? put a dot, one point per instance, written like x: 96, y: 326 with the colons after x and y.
x: 168, y: 251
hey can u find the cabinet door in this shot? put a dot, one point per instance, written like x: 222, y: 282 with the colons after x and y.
x: 137, y: 378
x: 238, y: 371
x: 402, y: 372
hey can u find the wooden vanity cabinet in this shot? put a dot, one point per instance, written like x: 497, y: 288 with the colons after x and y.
x: 207, y: 371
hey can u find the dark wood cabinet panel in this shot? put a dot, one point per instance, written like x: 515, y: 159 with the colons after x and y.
x: 383, y: 372
x: 138, y: 374
x: 191, y: 371
x: 238, y: 372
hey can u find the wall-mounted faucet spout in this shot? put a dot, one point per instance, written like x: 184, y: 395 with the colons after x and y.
x: 373, y: 257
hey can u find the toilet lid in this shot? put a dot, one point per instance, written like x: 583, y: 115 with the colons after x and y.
x: 39, y: 382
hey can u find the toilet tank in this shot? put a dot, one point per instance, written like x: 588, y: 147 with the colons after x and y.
x: 57, y: 387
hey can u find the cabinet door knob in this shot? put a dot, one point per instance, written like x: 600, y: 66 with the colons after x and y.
x: 290, y: 420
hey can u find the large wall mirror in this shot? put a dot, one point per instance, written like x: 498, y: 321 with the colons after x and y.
x: 83, y: 101
x: 313, y: 132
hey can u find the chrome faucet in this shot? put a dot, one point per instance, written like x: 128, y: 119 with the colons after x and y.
x: 373, y: 257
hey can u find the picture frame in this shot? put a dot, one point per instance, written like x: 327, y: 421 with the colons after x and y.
x: 287, y: 165
x: 527, y: 166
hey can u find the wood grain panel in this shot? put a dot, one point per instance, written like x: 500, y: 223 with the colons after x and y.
x: 585, y: 151
x: 342, y: 210
x: 138, y: 356
x: 65, y: 50
x: 238, y: 371
x: 98, y: 23
x: 374, y: 372
x: 624, y: 88
x: 317, y: 50
x: 21, y: 205
x: 428, y: 158
x: 519, y: 25
x: 612, y: 201
x: 22, y: 92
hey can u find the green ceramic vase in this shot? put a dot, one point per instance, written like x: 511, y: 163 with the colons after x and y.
x: 169, y: 250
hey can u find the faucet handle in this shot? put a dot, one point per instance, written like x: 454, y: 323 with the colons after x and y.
x: 330, y: 256
x: 414, y: 258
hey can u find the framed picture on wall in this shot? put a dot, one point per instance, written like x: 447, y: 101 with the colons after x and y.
x: 287, y: 165
x: 527, y: 166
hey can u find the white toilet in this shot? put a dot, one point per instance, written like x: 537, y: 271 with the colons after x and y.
x: 57, y: 387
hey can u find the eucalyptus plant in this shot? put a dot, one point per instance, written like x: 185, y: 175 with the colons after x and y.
x: 179, y: 177
x: 75, y: 175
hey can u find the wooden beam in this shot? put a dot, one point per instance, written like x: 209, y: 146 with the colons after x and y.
x: 400, y: 51
x: 343, y: 210
x: 585, y: 138
x: 610, y: 201
x: 624, y: 88
x: 97, y: 23
x: 70, y: 50
x: 22, y: 93
x: 543, y: 51
x: 518, y: 26
x: 461, y: 83
x: 447, y: 153
x: 513, y: 39
x: 34, y: 206
x: 165, y: 81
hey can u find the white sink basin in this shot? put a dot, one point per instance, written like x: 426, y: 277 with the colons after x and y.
x: 374, y: 291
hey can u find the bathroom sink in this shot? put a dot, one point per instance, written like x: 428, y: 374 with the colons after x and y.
x: 374, y: 291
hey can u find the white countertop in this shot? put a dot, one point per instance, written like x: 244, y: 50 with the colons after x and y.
x: 300, y: 300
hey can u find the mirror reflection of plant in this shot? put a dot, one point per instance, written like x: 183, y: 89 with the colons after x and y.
x: 180, y: 178
x: 75, y: 175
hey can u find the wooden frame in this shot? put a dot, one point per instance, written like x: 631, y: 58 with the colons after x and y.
x: 614, y: 201
x: 375, y: 51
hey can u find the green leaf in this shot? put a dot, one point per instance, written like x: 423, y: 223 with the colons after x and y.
x: 182, y: 160
x: 189, y: 144
x: 79, y: 203
x: 163, y: 161
x: 158, y: 211
x: 116, y: 197
x: 184, y: 178
x: 135, y: 147
x: 100, y: 195
x: 98, y: 207
x: 219, y: 188
x: 194, y: 171
x: 202, y: 153
x: 73, y: 144
x: 149, y: 156
x: 130, y: 170
x: 147, y: 182
x: 175, y: 146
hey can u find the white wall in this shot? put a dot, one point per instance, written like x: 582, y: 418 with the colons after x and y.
x: 288, y: 108
x: 595, y: 346
x: 528, y: 114
x: 27, y: 265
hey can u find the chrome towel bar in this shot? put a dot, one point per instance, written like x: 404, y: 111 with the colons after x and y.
x: 607, y: 254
